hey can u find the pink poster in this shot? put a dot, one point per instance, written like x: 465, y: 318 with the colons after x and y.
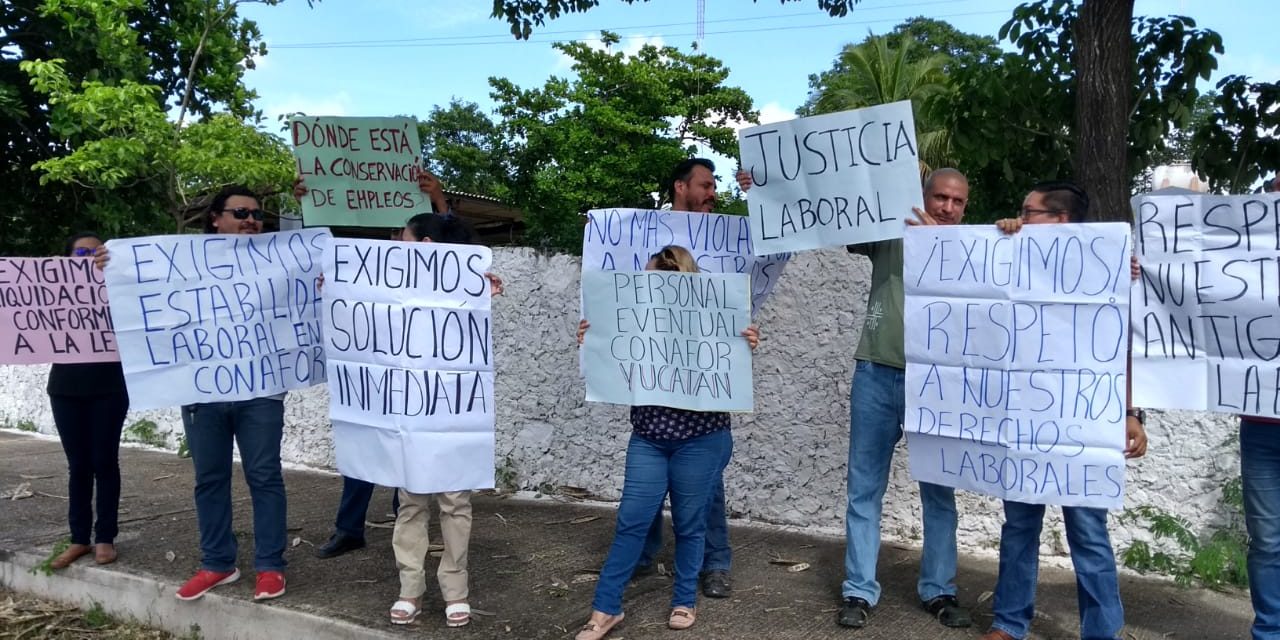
x: 54, y: 310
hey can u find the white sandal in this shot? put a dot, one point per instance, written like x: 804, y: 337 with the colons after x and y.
x: 457, y: 614
x: 404, y: 612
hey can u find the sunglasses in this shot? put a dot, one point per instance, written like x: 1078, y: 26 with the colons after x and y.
x: 81, y: 252
x: 241, y: 213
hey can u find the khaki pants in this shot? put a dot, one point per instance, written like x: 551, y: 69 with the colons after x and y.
x: 410, y: 542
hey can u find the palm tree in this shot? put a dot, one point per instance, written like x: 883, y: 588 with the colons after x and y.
x: 877, y: 71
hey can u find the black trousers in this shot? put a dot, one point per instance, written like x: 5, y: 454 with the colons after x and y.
x: 89, y: 427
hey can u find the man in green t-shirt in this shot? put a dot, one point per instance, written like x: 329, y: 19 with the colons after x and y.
x: 876, y: 407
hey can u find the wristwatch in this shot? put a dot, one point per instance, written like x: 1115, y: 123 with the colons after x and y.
x: 1139, y: 414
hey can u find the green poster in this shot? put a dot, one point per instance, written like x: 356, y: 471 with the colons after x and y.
x: 359, y: 172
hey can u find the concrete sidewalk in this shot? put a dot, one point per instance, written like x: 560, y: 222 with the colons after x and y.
x: 532, y: 566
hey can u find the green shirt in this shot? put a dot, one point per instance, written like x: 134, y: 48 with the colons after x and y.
x: 882, y: 340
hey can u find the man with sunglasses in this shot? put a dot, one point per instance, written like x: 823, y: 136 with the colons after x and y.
x: 1097, y: 581
x: 255, y: 428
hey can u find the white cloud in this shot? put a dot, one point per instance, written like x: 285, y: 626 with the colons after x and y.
x: 770, y: 112
x: 629, y: 46
x: 338, y: 104
x: 774, y: 112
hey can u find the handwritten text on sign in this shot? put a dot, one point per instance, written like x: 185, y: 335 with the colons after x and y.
x: 1016, y: 355
x: 667, y: 338
x: 623, y: 240
x: 358, y: 171
x: 212, y: 318
x: 1208, y: 303
x: 408, y: 339
x: 830, y: 180
x: 54, y: 310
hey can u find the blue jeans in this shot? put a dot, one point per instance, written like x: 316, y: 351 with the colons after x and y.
x: 1097, y: 583
x: 876, y: 405
x: 256, y: 427
x: 1260, y: 472
x: 353, y: 507
x: 685, y: 468
x: 717, y: 555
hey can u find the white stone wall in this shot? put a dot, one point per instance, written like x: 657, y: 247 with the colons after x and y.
x: 789, y: 456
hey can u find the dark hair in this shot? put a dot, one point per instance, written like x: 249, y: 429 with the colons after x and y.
x: 219, y: 203
x: 447, y: 229
x: 76, y: 237
x: 1064, y: 196
x: 682, y: 172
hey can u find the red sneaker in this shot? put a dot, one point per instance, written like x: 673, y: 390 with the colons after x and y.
x: 270, y: 585
x: 204, y: 580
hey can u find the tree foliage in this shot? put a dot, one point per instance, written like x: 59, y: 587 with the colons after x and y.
x: 1016, y: 122
x: 881, y: 70
x: 87, y: 89
x: 524, y: 15
x: 463, y: 147
x: 610, y: 136
x: 1230, y: 148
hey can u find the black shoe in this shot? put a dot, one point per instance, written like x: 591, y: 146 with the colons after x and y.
x: 948, y: 611
x: 338, y: 544
x: 854, y: 613
x: 715, y: 584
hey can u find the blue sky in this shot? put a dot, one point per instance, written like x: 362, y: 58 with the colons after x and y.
x: 406, y: 56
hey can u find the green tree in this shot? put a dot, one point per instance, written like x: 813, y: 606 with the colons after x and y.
x: 938, y: 37
x: 1035, y: 94
x: 1117, y: 113
x: 878, y: 71
x: 1231, y: 149
x: 523, y: 15
x: 87, y: 87
x: 1102, y: 95
x: 463, y: 147
x: 610, y: 136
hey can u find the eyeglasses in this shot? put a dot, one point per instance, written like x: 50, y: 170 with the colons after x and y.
x: 1027, y: 213
x: 241, y: 213
x: 81, y: 252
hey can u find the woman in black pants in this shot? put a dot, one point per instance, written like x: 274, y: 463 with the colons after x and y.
x: 89, y: 404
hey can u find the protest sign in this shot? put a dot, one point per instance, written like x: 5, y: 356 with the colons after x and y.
x: 1207, y: 306
x: 667, y: 338
x: 409, y: 345
x: 54, y: 310
x: 1016, y: 357
x: 623, y: 240
x: 358, y: 171
x: 830, y: 180
x: 216, y: 318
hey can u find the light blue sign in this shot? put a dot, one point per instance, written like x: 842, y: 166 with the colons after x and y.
x: 667, y: 338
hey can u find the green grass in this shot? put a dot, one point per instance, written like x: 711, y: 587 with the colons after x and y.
x: 45, y: 567
x: 30, y: 618
x: 145, y: 432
